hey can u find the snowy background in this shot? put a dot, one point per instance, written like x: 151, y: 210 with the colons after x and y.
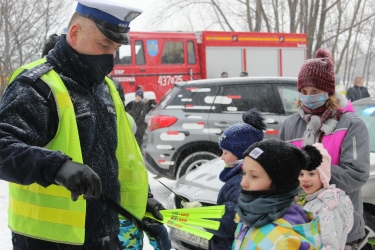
x: 159, y: 191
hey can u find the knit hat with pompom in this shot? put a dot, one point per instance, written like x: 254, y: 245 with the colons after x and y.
x: 139, y: 92
x: 318, y: 72
x: 239, y: 136
x: 283, y: 162
x: 323, y: 166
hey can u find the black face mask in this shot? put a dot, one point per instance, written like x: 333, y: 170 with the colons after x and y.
x: 99, y: 65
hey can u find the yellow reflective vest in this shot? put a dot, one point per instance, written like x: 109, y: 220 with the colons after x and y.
x: 49, y: 213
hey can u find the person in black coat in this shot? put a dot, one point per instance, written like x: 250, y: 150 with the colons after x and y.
x: 138, y: 110
x: 357, y: 91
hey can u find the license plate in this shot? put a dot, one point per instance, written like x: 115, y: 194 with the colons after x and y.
x: 190, y: 238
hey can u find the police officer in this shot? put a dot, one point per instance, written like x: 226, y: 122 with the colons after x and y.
x: 65, y: 139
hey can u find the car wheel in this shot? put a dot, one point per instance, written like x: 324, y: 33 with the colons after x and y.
x: 194, y: 161
x: 369, y: 229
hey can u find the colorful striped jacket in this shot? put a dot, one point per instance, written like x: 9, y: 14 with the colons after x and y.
x: 292, y: 231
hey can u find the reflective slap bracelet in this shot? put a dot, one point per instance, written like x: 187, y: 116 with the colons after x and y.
x: 185, y: 227
x: 209, y: 224
x: 196, y: 222
x: 189, y: 229
x: 211, y: 212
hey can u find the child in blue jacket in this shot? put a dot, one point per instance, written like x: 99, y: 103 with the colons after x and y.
x: 233, y: 142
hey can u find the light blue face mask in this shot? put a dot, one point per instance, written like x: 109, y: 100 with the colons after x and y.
x: 313, y: 101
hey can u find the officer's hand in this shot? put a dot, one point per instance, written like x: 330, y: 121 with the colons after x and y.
x: 153, y: 206
x: 79, y: 179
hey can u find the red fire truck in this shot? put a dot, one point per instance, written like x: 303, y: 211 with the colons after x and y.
x: 155, y: 60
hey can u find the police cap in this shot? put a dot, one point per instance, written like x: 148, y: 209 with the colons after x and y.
x: 112, y: 17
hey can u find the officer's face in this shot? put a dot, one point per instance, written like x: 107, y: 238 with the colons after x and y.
x: 89, y: 40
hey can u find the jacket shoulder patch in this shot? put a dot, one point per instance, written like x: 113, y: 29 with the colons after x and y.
x: 35, y: 73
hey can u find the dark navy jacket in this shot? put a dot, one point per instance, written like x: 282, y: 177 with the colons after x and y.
x: 356, y: 93
x: 228, y: 196
x: 28, y: 121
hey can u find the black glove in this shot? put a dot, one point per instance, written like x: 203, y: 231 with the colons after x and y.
x: 153, y: 206
x: 79, y: 179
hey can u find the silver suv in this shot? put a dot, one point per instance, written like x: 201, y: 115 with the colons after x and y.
x: 184, y: 128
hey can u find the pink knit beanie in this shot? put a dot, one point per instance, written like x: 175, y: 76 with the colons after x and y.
x: 324, y: 168
x: 318, y: 72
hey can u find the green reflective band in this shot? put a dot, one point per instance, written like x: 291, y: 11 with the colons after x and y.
x: 210, y: 224
x: 197, y: 212
x: 189, y: 229
x: 46, y: 230
x: 192, y: 220
x: 46, y: 201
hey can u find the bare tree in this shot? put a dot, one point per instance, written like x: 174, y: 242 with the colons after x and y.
x: 366, y: 68
x: 347, y: 42
x: 319, y: 37
x: 339, y: 25
x: 24, y: 27
x: 293, y: 11
x: 311, y: 26
x: 258, y: 15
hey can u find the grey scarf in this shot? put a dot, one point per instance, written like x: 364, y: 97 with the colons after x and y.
x: 257, y: 208
x: 316, y: 125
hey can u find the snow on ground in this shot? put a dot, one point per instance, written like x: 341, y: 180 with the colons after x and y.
x: 159, y: 191
x: 5, y: 238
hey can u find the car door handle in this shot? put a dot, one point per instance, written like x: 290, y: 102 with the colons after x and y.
x: 142, y: 70
x: 271, y: 121
x: 221, y: 125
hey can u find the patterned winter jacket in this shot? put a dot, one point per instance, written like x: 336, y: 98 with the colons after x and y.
x: 349, y: 148
x: 335, y: 211
x: 292, y: 231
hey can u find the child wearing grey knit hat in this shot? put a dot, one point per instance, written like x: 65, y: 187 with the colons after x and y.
x: 233, y: 142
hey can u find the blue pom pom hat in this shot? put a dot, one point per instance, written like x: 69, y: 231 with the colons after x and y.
x: 239, y: 136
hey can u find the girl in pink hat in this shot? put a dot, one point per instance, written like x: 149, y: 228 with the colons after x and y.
x: 333, y: 207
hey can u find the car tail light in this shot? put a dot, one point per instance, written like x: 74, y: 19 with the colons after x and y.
x: 161, y: 121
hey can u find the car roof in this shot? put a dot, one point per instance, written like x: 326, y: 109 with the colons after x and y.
x: 238, y: 80
x: 365, y: 101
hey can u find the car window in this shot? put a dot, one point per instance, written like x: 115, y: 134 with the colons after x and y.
x: 289, y: 97
x: 241, y: 98
x: 167, y: 98
x: 191, y: 99
x: 367, y: 114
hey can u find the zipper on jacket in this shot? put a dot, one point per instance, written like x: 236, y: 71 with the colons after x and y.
x: 354, y: 148
x: 101, y: 138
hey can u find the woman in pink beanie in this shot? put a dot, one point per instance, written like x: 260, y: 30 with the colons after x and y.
x: 333, y: 207
x: 325, y: 116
